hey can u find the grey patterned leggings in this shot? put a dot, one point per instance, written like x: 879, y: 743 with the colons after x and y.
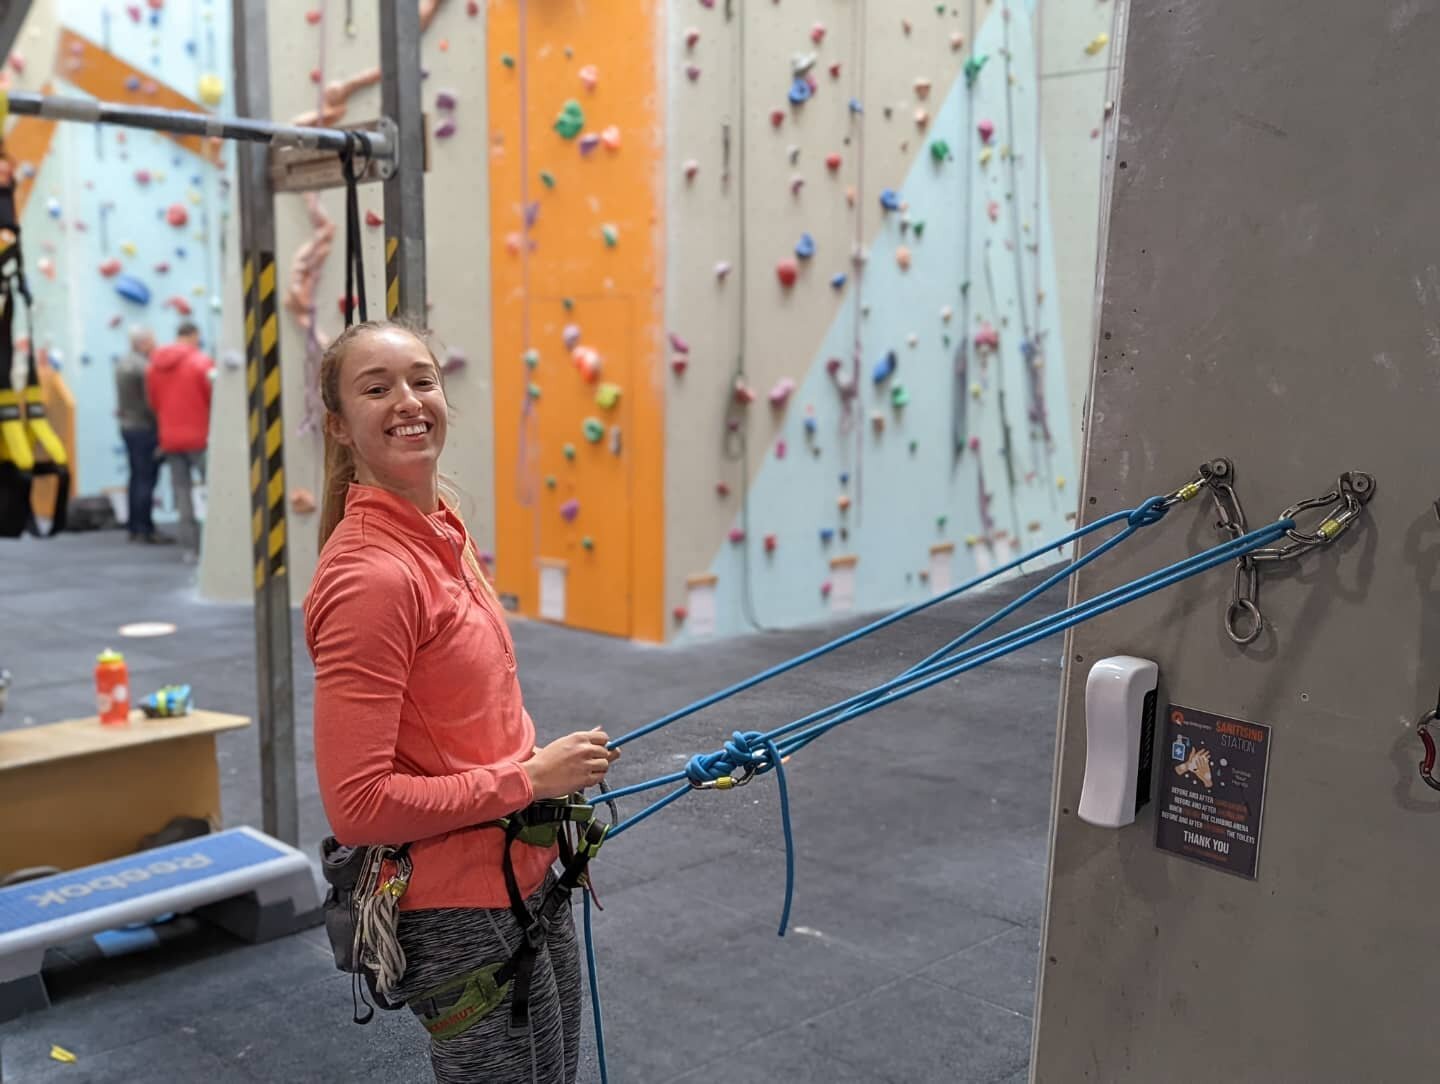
x: 442, y: 944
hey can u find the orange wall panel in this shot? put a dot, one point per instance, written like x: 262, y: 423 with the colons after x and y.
x: 552, y: 267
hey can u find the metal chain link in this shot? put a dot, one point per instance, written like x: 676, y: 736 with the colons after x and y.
x: 1243, y: 620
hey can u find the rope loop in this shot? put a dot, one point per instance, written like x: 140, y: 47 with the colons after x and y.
x: 1149, y: 513
x: 746, y: 751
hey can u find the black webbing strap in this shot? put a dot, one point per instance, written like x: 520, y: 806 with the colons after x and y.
x: 354, y: 256
x: 535, y: 928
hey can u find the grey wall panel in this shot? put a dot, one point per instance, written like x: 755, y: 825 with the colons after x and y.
x: 1271, y: 293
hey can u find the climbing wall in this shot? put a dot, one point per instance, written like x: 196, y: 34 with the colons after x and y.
x: 867, y: 396
x: 576, y: 217
x: 324, y: 58
x: 120, y: 228
x: 1272, y: 160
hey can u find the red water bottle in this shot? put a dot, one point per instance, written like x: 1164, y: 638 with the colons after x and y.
x: 112, y: 688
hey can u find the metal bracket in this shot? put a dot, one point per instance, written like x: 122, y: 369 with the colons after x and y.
x: 307, y: 169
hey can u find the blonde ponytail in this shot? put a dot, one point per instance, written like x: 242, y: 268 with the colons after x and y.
x: 339, y: 473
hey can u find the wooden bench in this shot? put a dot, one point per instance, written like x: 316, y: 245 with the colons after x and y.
x: 75, y: 793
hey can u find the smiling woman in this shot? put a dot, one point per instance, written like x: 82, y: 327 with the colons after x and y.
x: 386, y: 417
x: 421, y: 733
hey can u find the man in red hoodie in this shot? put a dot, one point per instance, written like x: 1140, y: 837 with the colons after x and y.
x: 179, y: 384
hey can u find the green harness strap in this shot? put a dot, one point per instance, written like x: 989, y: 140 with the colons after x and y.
x: 456, y: 1005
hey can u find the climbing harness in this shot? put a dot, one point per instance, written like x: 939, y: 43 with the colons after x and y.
x: 1353, y: 490
x: 23, y: 424
x: 361, y: 911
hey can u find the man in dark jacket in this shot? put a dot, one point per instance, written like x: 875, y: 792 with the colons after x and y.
x: 180, y: 383
x: 137, y: 429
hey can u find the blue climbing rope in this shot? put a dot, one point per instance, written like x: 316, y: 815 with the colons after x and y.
x: 753, y: 753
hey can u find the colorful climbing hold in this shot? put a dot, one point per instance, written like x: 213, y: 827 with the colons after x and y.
x: 736, y: 536
x: 570, y: 120
x: 110, y: 267
x: 837, y: 280
x: 607, y: 395
x: 507, y: 60
x: 939, y: 150
x: 777, y: 118
x: 779, y: 449
x: 610, y: 136
x: 922, y: 88
x: 177, y: 215
x: 902, y: 258
x: 817, y: 33
x: 691, y: 168
x: 922, y: 117
x: 692, y: 36
x: 132, y: 289
x: 445, y: 100
x: 832, y: 161
x: 587, y: 543
x: 781, y: 392
x: 547, y: 178
x: 588, y: 142
x: 987, y: 338
x: 568, y: 450
x: 986, y: 128
x: 957, y: 42
x: 787, y: 271
x: 1098, y: 42
x: 587, y: 360
x: 985, y: 156
x: 972, y: 69
x: 884, y: 368
x: 531, y: 358
x: 594, y: 430
x: 679, y: 365
x: 770, y: 543
x: 570, y: 334
x: 589, y: 76
x: 799, y: 91
x: 805, y: 247
x: 722, y: 268
x: 993, y: 210
x: 889, y: 200
x: 445, y: 129
x: 570, y: 509
x: 692, y: 72
x: 611, y: 235
x: 899, y: 397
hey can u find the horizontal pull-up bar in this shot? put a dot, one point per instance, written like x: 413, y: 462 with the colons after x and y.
x: 182, y: 122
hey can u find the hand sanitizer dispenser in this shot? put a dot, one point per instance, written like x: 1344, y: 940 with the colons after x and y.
x: 1119, y: 739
